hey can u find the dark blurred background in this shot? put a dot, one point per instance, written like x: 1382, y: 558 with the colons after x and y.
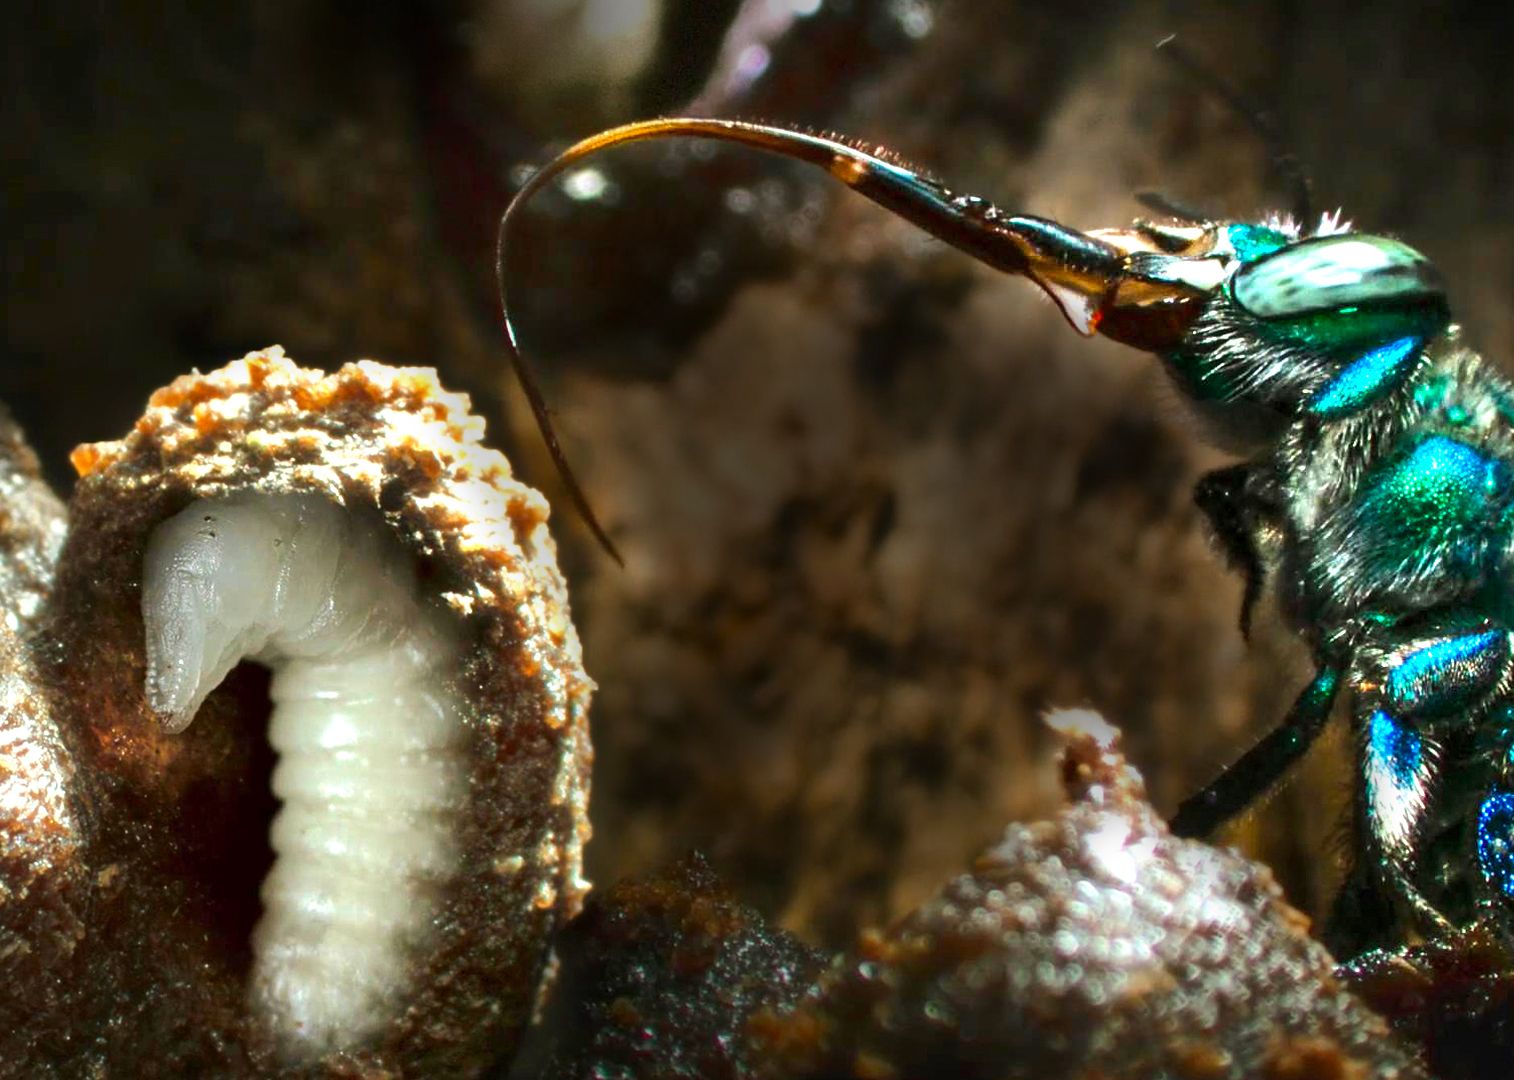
x: 880, y: 508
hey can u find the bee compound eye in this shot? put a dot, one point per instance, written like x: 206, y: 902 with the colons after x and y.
x: 1336, y: 272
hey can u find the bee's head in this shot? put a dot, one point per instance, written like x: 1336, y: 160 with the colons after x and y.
x: 1322, y: 324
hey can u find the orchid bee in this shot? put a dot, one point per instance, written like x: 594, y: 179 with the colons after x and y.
x: 1376, y: 496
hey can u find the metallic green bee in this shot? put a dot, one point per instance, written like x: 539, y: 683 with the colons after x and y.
x: 1378, y: 497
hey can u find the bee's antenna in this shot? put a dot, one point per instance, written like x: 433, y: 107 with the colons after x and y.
x: 1284, y: 160
x: 1165, y: 204
x: 538, y: 403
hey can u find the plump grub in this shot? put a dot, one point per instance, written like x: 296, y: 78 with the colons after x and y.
x: 368, y: 726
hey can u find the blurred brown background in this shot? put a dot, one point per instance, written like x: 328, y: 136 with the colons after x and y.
x: 880, y: 507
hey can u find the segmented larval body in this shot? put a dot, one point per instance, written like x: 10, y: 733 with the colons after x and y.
x: 366, y: 724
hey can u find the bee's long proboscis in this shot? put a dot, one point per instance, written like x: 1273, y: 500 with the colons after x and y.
x: 1034, y: 247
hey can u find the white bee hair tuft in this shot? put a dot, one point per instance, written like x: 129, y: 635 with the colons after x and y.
x: 368, y: 729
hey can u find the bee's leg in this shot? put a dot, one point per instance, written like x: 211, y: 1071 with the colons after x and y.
x: 1400, y: 774
x: 1366, y: 916
x: 1494, y: 843
x: 1400, y: 777
x: 1222, y: 497
x: 1260, y: 767
x: 1421, y: 698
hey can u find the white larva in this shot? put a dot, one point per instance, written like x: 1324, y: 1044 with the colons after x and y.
x: 367, y: 726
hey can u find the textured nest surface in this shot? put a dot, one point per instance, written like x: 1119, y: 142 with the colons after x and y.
x: 659, y: 976
x: 1092, y: 944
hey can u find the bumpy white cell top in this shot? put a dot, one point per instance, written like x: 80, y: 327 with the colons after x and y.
x: 367, y: 726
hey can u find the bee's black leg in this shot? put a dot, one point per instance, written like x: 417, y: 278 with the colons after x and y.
x: 1259, y: 768
x: 1221, y: 495
x: 1364, y: 916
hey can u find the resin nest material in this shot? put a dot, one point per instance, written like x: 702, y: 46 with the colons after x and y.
x: 659, y: 978
x: 44, y: 882
x: 31, y: 529
x: 427, y: 715
x: 1454, y: 997
x: 1092, y: 945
